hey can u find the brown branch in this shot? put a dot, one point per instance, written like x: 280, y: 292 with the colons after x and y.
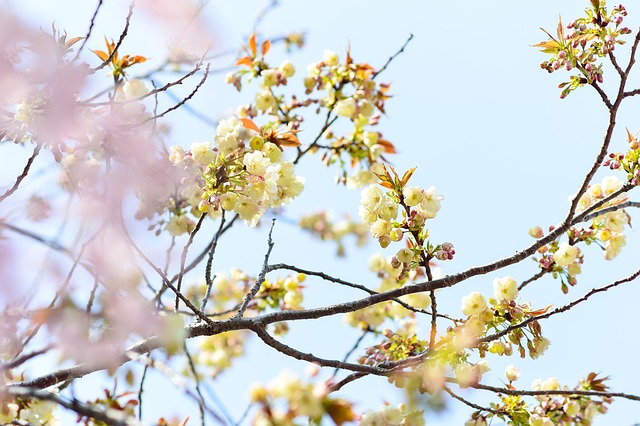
x: 89, y: 31
x: 537, y: 276
x: 165, y: 281
x: 391, y: 58
x: 560, y: 392
x: 183, y: 101
x: 561, y: 309
x: 469, y: 403
x: 109, y: 417
x: 261, y: 277
x: 207, y: 272
x: 350, y: 378
x: 22, y: 175
x: 294, y: 353
x: 327, y: 277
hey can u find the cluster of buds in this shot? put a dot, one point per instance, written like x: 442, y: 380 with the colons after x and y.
x: 396, y: 347
x: 588, y: 39
x: 446, y: 252
x: 629, y: 161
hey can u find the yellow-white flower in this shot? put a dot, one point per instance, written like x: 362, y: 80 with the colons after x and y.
x: 505, y: 288
x: 565, y: 255
x: 202, y: 153
x: 512, y: 373
x: 473, y: 304
x: 134, y: 89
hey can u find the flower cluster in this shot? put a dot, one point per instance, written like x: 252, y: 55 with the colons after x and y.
x: 287, y: 398
x: 588, y: 39
x: 395, y: 347
x: 380, y: 210
x: 498, y: 313
x: 351, y: 92
x: 401, y: 415
x: 244, y: 172
x: 565, y: 259
x: 216, y: 353
x: 29, y: 411
x: 550, y: 410
x: 321, y: 225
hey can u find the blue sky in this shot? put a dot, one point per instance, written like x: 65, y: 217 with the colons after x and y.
x: 483, y: 123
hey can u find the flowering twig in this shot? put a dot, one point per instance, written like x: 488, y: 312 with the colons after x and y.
x: 124, y: 33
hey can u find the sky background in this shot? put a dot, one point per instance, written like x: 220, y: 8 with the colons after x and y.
x: 483, y: 123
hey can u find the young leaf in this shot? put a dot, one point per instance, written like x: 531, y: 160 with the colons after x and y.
x: 265, y: 47
x: 102, y: 55
x: 245, y: 61
x: 252, y: 44
x: 407, y: 175
x: 248, y: 124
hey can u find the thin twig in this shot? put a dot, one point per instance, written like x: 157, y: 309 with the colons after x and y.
x: 183, y: 257
x: 561, y: 309
x: 192, y: 367
x: 183, y: 101
x: 124, y: 33
x: 261, y: 277
x: 391, y: 58
x: 89, y: 31
x: 22, y: 175
x: 352, y: 350
x: 207, y: 273
x: 559, y: 392
x: 469, y: 403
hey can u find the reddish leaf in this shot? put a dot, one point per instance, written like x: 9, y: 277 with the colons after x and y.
x: 252, y: 44
x: 349, y: 61
x: 102, y: 55
x: 630, y: 137
x: 340, y: 411
x: 245, y: 61
x: 265, y: 47
x: 287, y: 139
x: 387, y: 146
x: 540, y: 311
x: 73, y: 41
x: 248, y: 124
x: 407, y: 175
